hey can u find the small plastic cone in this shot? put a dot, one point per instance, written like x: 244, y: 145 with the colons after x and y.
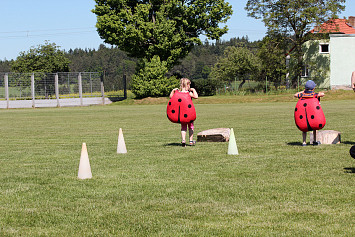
x: 121, y: 146
x: 232, y: 146
x: 84, y: 166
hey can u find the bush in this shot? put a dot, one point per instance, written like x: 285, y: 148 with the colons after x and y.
x: 150, y: 80
x: 206, y: 87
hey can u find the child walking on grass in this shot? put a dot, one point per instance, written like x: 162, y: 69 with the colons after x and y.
x: 308, y: 113
x: 185, y: 90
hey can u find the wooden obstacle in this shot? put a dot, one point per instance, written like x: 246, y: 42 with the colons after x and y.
x: 326, y: 137
x: 214, y: 135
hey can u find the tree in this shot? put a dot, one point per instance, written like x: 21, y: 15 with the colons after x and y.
x: 272, y: 55
x: 168, y: 29
x: 151, y: 80
x: 113, y: 62
x: 44, y: 58
x: 237, y: 62
x: 294, y: 18
x: 165, y: 28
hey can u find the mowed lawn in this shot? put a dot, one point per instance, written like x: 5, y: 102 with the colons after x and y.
x: 274, y: 187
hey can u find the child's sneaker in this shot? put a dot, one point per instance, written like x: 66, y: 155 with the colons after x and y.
x: 192, y: 143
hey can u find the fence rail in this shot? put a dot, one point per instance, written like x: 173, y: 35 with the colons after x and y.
x: 81, y: 88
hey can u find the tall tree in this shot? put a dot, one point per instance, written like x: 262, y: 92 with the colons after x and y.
x: 168, y: 29
x: 294, y: 18
x: 47, y: 58
x: 271, y: 52
x: 237, y: 62
x: 44, y: 58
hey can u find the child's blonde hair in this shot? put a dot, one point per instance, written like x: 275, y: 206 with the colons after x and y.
x: 184, y: 83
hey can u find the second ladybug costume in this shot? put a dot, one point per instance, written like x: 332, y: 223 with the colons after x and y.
x: 309, y: 115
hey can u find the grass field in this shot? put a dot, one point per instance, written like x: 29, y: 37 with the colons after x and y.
x: 275, y: 187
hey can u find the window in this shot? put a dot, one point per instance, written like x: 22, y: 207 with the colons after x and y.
x: 323, y: 48
x: 305, y: 71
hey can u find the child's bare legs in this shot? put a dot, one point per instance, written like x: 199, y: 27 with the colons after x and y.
x: 183, y: 136
x: 183, y: 133
x: 191, y: 134
x: 315, y: 142
x: 304, y: 136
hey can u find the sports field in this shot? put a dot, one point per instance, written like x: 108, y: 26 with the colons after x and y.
x: 274, y: 187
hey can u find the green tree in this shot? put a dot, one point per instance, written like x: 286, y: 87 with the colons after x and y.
x: 151, y: 79
x: 271, y: 52
x: 168, y: 29
x: 237, y: 62
x: 47, y: 58
x: 44, y: 58
x: 294, y: 19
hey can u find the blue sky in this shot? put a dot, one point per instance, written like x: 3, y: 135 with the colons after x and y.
x: 70, y: 24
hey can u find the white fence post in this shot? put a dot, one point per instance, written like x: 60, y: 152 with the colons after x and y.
x: 33, y: 90
x: 56, y: 85
x: 6, y: 79
x: 80, y: 89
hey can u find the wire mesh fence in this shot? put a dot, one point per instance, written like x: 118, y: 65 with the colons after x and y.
x: 51, y: 86
x: 250, y: 86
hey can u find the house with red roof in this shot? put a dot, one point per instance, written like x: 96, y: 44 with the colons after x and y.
x: 337, y: 26
x: 330, y: 61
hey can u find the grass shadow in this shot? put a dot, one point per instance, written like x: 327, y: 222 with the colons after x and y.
x: 116, y: 98
x: 300, y: 143
x: 294, y: 143
x: 349, y: 170
x: 173, y: 144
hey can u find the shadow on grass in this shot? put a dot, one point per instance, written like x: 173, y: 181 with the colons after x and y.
x: 300, y: 143
x: 173, y: 144
x: 116, y: 98
x: 350, y: 170
x: 294, y: 143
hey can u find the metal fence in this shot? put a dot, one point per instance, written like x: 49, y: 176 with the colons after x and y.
x: 53, y: 89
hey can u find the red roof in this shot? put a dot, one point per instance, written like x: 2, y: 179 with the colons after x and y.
x: 341, y: 26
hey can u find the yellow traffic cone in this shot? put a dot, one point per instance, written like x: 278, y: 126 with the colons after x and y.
x: 121, y: 146
x: 84, y: 166
x: 232, y: 146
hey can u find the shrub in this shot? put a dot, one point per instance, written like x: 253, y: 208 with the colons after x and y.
x: 151, y: 80
x: 206, y: 87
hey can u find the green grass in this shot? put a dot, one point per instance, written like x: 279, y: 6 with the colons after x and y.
x: 275, y: 187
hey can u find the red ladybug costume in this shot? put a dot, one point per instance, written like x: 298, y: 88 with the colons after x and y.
x: 309, y: 115
x: 180, y: 108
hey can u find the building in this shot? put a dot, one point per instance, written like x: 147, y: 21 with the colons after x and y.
x: 330, y: 61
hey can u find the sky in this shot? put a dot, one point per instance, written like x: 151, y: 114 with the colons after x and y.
x: 70, y: 24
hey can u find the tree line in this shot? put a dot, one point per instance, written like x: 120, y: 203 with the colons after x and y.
x: 160, y: 43
x: 114, y: 63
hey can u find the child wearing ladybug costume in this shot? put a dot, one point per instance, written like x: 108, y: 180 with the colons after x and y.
x: 180, y: 109
x: 309, y: 115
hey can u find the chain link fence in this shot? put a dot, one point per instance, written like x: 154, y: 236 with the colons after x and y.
x: 250, y: 86
x: 51, y: 89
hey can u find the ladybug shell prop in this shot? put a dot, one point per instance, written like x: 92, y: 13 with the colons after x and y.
x: 180, y: 108
x: 352, y: 151
x: 309, y: 115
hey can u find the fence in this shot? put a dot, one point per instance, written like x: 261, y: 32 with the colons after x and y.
x: 261, y: 86
x: 22, y: 90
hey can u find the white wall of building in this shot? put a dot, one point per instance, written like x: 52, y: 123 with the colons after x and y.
x: 342, y: 59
